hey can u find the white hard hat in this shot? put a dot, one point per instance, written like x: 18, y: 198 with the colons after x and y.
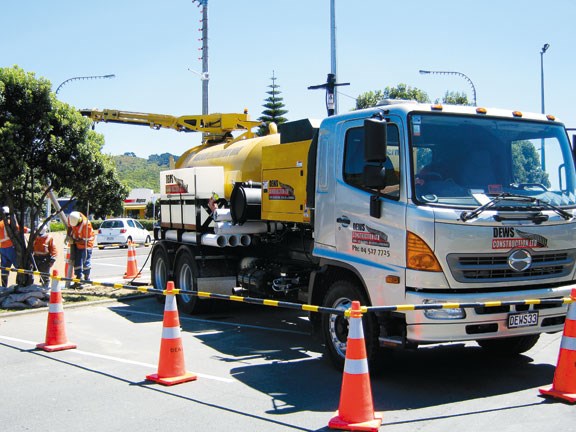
x: 5, y: 210
x: 74, y: 218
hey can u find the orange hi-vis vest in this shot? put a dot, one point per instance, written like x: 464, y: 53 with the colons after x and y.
x: 83, y: 234
x: 44, y: 246
x: 5, y: 241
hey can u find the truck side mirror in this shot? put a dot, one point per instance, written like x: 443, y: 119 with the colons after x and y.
x: 375, y: 140
x: 374, y: 177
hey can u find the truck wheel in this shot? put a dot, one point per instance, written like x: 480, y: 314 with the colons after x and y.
x: 159, y: 270
x: 184, y: 278
x: 510, y: 345
x: 335, y: 327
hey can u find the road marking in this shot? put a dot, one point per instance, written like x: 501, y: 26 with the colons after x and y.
x: 208, y: 321
x: 117, y: 359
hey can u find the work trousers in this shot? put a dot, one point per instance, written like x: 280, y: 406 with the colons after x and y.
x: 44, y: 264
x: 8, y: 259
x: 82, y: 263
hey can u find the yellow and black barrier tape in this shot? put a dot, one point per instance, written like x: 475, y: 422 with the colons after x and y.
x: 309, y: 307
x: 470, y: 305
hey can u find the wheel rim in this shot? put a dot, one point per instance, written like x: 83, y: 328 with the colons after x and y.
x: 186, y: 281
x: 338, y: 326
x: 160, y: 274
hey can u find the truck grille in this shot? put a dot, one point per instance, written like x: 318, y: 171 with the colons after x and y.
x: 494, y: 267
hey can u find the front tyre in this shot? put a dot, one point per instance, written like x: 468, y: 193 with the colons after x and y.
x: 509, y: 346
x: 335, y: 327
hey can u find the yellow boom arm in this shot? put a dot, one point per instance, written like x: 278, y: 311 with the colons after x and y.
x: 217, y: 127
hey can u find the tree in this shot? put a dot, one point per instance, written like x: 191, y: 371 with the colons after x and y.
x: 47, y: 146
x: 455, y: 98
x: 274, y: 108
x: 162, y: 159
x: 401, y: 91
x: 526, y: 164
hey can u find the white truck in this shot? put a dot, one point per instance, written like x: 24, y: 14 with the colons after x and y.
x: 402, y: 203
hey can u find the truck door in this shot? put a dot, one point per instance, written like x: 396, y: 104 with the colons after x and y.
x: 371, y: 244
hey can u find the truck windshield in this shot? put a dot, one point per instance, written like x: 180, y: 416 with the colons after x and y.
x: 464, y: 161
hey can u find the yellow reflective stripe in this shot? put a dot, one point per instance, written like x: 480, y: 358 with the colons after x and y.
x: 493, y: 304
x: 143, y: 289
x: 271, y: 302
x: 237, y: 298
x: 204, y: 294
x: 532, y: 301
x: 405, y: 307
x: 310, y: 308
x: 450, y: 305
x: 118, y: 285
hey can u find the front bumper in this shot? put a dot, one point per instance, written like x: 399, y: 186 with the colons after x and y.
x: 484, y: 322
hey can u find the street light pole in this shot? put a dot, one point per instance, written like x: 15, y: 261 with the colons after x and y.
x: 542, y: 147
x: 204, y: 76
x: 333, y: 68
x: 425, y: 72
x: 83, y: 78
x: 544, y: 49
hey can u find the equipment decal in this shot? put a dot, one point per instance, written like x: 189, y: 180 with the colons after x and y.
x: 510, y: 237
x: 363, y: 236
x: 174, y: 185
x: 280, y: 191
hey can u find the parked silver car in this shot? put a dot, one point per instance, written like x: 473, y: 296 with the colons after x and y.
x: 120, y: 231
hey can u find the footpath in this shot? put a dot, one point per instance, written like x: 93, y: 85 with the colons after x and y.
x: 89, y: 293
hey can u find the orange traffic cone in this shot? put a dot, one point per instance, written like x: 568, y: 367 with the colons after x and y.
x: 171, y: 369
x: 131, y: 266
x: 564, y: 384
x: 55, y: 331
x: 68, y: 265
x: 356, y: 410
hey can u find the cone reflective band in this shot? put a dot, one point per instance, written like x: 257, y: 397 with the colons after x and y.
x: 55, y: 330
x: 564, y: 384
x: 171, y: 368
x: 356, y: 410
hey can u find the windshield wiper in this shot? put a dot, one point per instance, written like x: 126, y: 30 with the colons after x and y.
x: 557, y: 210
x: 539, y: 205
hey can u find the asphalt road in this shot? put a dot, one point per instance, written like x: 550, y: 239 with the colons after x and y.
x: 110, y: 264
x: 259, y: 370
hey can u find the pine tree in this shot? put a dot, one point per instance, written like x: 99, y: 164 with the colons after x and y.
x: 274, y: 108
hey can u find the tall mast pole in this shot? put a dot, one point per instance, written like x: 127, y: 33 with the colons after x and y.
x: 333, y: 69
x: 205, y: 75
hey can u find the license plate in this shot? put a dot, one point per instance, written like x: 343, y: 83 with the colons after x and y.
x: 523, y: 319
x: 109, y: 238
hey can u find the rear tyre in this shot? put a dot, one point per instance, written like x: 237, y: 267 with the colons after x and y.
x: 160, y: 269
x: 335, y: 327
x: 148, y: 241
x: 509, y: 346
x: 185, y: 276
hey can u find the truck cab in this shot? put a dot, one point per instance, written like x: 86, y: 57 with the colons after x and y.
x: 463, y: 204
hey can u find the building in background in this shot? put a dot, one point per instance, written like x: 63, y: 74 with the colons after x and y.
x: 137, y: 201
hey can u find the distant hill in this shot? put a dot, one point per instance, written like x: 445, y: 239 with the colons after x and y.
x: 135, y: 172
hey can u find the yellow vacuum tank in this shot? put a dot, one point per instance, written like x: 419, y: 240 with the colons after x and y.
x: 242, y: 159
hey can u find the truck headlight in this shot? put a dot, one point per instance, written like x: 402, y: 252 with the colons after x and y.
x: 443, y: 313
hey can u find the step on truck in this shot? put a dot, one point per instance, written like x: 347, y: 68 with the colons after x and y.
x: 403, y: 203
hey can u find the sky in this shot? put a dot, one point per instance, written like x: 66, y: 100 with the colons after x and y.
x: 151, y: 45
